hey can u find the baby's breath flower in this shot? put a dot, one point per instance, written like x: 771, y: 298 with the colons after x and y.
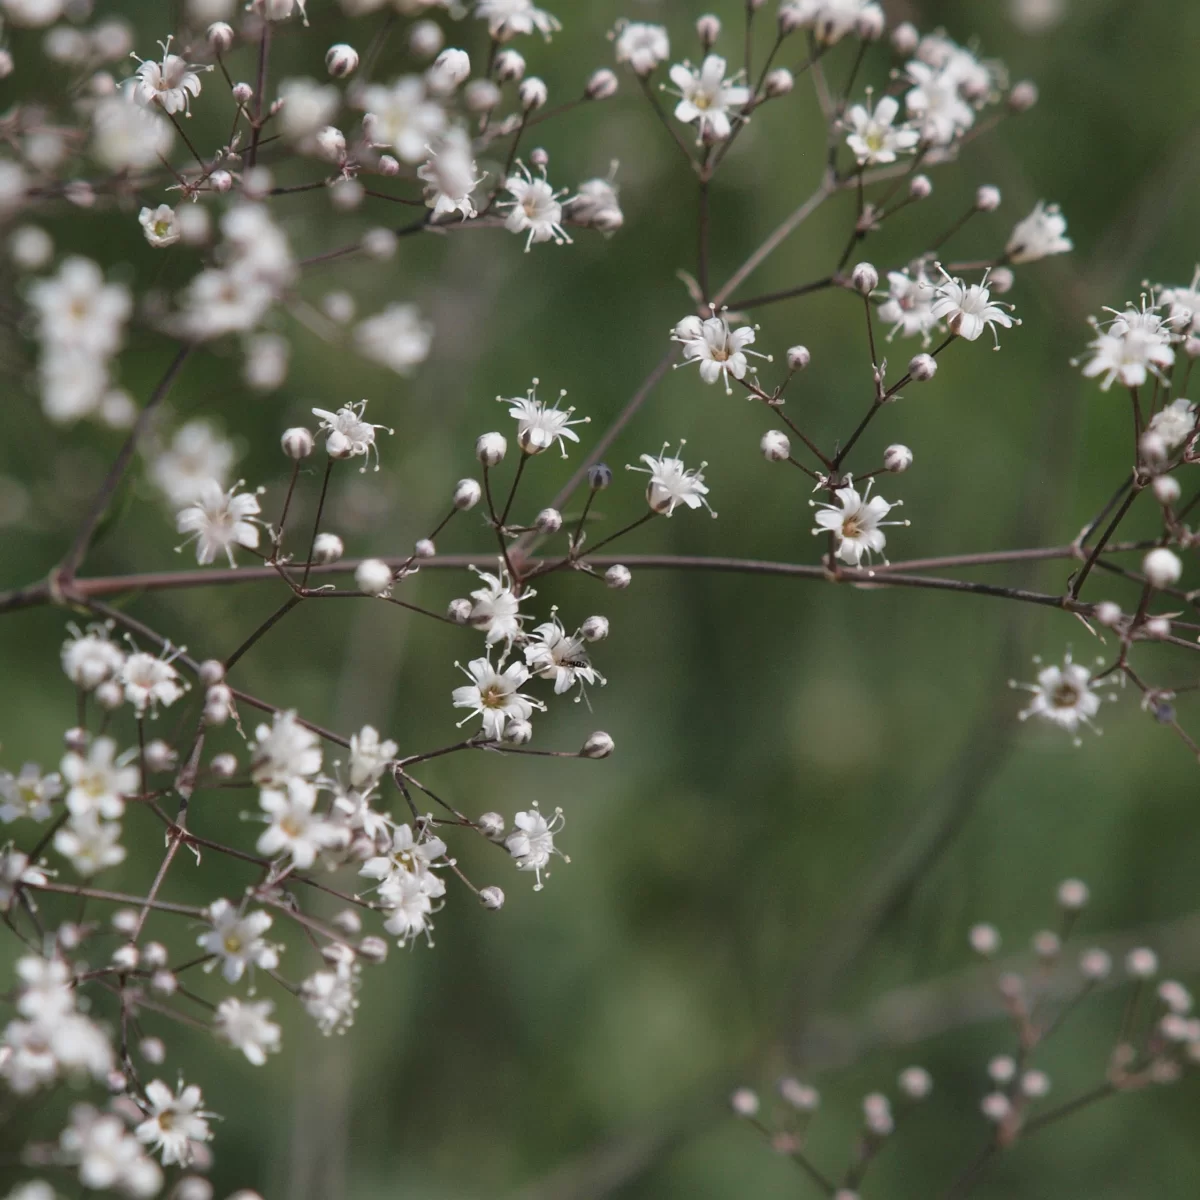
x: 89, y: 844
x: 496, y: 607
x: 296, y: 828
x: 170, y: 84
x: 539, y: 427
x: 284, y: 750
x: 149, y: 681
x: 236, y: 942
x: 535, y: 208
x: 1039, y: 235
x: 855, y: 522
x: 707, y: 98
x: 397, y: 338
x: 99, y: 782
x: 873, y: 136
x: 160, y: 226
x: 508, y: 18
x: 402, y: 117
x: 936, y: 103
x: 552, y: 653
x: 1135, y: 344
x: 1064, y: 695
x: 174, y: 1122
x: 641, y: 45
x: 493, y: 696
x: 369, y: 757
x: 349, y: 435
x: 218, y: 521
x: 29, y: 794
x: 720, y: 351
x: 89, y: 658
x: 245, y: 1025
x: 671, y: 483
x: 449, y: 176
x: 331, y: 997
x: 531, y: 842
x: 968, y: 309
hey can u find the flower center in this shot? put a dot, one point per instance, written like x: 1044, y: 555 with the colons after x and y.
x: 1066, y: 695
x: 493, y: 697
x: 291, y: 825
x: 851, y: 527
x: 232, y: 943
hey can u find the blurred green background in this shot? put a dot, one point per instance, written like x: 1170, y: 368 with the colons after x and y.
x: 786, y: 750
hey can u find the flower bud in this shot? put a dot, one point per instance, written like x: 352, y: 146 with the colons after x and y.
x: 243, y: 93
x: 388, y: 166
x: 1153, y: 449
x: 125, y: 920
x: 509, y: 66
x: 540, y: 158
x: 1072, y: 895
x: 490, y: 449
x: 923, y: 368
x: 297, y: 443
x: 779, y: 82
x: 1160, y: 627
x: 877, y: 1114
x: 459, y: 611
x: 492, y: 898
x: 600, y: 476
x: 1141, y: 963
x: 331, y: 143
x: 449, y: 69
x: 549, y: 520
x: 744, y: 1102
x: 211, y: 671
x: 224, y: 766
x: 915, y: 1082
x: 380, y: 243
x: 802, y: 1097
x: 598, y: 745
x: 518, y: 733
x: 1023, y: 96
x: 920, y: 187
x: 373, y: 577
x: 984, y: 940
x: 160, y: 756
x: 987, y: 198
x: 595, y: 628
x: 152, y: 1050
x: 601, y: 85
x: 126, y: 958
x: 193, y: 1187
x: 1107, y: 613
x: 373, y: 949
x: 164, y: 982
x: 775, y: 446
x: 996, y: 1106
x: 327, y: 548
x: 1047, y: 945
x: 220, y: 181
x: 154, y: 955
x: 220, y: 697
x: 466, y: 494
x: 870, y: 24
x: 905, y: 39
x: 1035, y: 1084
x: 338, y: 953
x: 76, y: 740
x: 481, y: 96
x: 1166, y: 489
x: 425, y: 39
x: 346, y: 195
x: 424, y: 548
x: 116, y: 1082
x: 791, y: 18
x: 1095, y: 965
x: 6, y: 64
x: 341, y: 60
x: 491, y: 825
x: 533, y: 93
x: 618, y: 577
x: 798, y: 358
x: 1001, y: 280
x: 709, y: 29
x: 897, y: 458
x: 220, y: 37
x: 110, y: 695
x: 1162, y: 568
x: 865, y: 278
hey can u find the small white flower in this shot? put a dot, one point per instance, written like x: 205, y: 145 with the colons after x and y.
x: 349, y: 435
x: 855, y: 522
x: 1135, y: 345
x: 552, y: 653
x: 597, y: 204
x: 873, y: 137
x: 1175, y: 423
x: 410, y: 856
x: 402, y: 117
x: 126, y: 136
x: 76, y: 309
x: 671, y: 483
x: 330, y: 997
x: 174, y: 1121
x: 909, y: 306
x: 284, y: 750
x: 236, y: 942
x: 108, y: 1156
x: 306, y: 108
x: 28, y: 794
x: 245, y: 1026
x: 89, y: 658
x: 398, y: 338
x: 295, y: 828
x: 369, y: 757
x: 830, y: 20
x: 170, y: 84
x: 449, y: 176
x: 642, y: 46
x: 531, y: 842
x: 706, y: 97
x: 535, y: 208
x: 496, y: 608
x: 720, y: 351
x: 507, y: 18
x: 968, y: 309
x: 1183, y: 305
x: 99, y: 783
x: 15, y: 872
x: 936, y: 103
x: 1039, y: 235
x: 160, y: 226
x: 89, y: 844
x: 409, y: 907
x: 217, y: 521
x: 149, y: 681
x: 1065, y: 696
x: 539, y: 427
x: 492, y: 695
x: 196, y: 455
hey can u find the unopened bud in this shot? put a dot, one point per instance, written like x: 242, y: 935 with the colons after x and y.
x: 110, y: 695
x: 798, y: 358
x: 920, y: 187
x: 466, y: 494
x: 779, y: 82
x: 451, y: 68
x: 987, y: 198
x: 327, y: 548
x: 424, y: 548
x: 164, y: 982
x: 801, y: 1096
x: 126, y: 958
x: 1166, y: 489
x: 1047, y: 945
x: 373, y: 949
x: 76, y: 739
x: 1107, y: 613
x: 509, y: 66
x: 243, y: 93
x: 923, y: 368
x: 297, y: 443
x: 224, y: 766
x: 373, y: 577
x: 1023, y: 96
x: 490, y: 449
x: 347, y: 921
x: 905, y: 39
x: 984, y: 940
x: 481, y: 96
x: 1162, y: 568
x: 1141, y: 963
x: 775, y: 446
x: 153, y: 1050
x: 331, y: 143
x: 459, y: 611
x: 518, y: 733
x: 159, y: 756
x: 492, y: 898
x: 220, y: 37
x: 549, y: 520
x: 154, y: 955
x: 865, y: 278
x: 600, y: 476
x: 425, y: 39
x: 897, y: 458
x: 1072, y: 894
x: 601, y: 85
x: 915, y: 1082
x: 491, y: 825
x: 595, y: 628
x: 598, y: 745
x: 540, y: 158
x: 744, y: 1102
x: 618, y: 577
x: 220, y: 181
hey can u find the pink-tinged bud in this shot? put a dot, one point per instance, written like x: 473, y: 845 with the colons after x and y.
x: 865, y: 278
x: 1023, y: 96
x: 602, y: 85
x: 987, y: 198
x: 220, y: 37
x: 923, y: 368
x: 598, y: 745
x: 775, y: 446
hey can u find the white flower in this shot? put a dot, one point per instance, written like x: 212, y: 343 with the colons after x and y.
x: 330, y: 997
x: 99, y: 783
x: 197, y: 456
x: 236, y: 940
x: 539, y: 427
x: 410, y: 856
x: 170, y: 84
x: 46, y: 992
x: 218, y: 521
x: 126, y: 136
x: 449, y: 176
x: 149, y: 681
x: 1183, y: 305
x: 873, y: 137
x: 720, y: 351
x: 352, y: 810
x: 88, y: 659
x: 535, y: 207
x: 173, y: 1122
x: 369, y: 757
x: 398, y: 338
x: 409, y: 908
x: 968, y: 309
x: 642, y: 46
x: 552, y: 653
x: 160, y: 226
x: 493, y: 696
x: 76, y: 309
x: 936, y: 102
x: 531, y: 843
x: 1136, y: 344
x: 597, y: 203
x: 73, y: 383
x: 107, y: 1155
x: 1064, y: 696
x: 1039, y: 235
x: 217, y: 302
x: 507, y: 18
x: 284, y: 750
x: 497, y: 608
x: 402, y: 117
x: 671, y: 483
x: 307, y: 107
x: 89, y: 844
x: 855, y: 522
x: 257, y: 248
x: 28, y: 794
x: 244, y: 1025
x: 295, y: 828
x: 830, y: 20
x: 909, y: 306
x: 1174, y: 424
x: 706, y: 97
x: 16, y: 872
x: 349, y: 435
